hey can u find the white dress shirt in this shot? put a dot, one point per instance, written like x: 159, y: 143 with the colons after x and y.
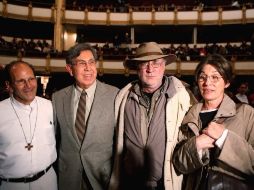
x: 242, y: 97
x: 89, y: 98
x: 37, y: 122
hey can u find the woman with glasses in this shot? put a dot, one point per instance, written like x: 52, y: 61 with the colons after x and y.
x: 216, y: 139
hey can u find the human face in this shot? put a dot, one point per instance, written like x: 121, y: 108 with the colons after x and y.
x: 150, y: 74
x: 23, y: 83
x: 211, y: 85
x: 243, y: 88
x: 83, y: 69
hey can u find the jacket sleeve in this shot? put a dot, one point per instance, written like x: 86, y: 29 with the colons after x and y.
x: 54, y: 110
x: 237, y: 151
x: 185, y: 157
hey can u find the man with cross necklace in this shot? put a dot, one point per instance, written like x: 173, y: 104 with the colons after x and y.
x: 27, y: 135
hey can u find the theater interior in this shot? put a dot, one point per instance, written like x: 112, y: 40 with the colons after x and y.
x: 41, y: 32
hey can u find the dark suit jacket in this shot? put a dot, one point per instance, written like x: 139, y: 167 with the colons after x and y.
x: 94, y: 155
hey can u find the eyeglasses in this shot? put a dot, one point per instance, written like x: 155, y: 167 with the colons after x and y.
x: 22, y: 82
x: 212, y: 78
x: 154, y: 63
x: 82, y: 63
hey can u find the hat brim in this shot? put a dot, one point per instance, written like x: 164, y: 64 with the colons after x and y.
x: 133, y: 63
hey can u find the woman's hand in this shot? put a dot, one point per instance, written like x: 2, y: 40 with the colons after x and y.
x: 203, y: 141
x: 214, y: 130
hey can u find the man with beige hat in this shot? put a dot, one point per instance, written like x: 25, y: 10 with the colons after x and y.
x: 148, y: 113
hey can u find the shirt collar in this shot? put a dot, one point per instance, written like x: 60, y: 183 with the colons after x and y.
x: 136, y: 90
x: 227, y: 108
x: 161, y: 89
x: 89, y: 91
x: 21, y: 105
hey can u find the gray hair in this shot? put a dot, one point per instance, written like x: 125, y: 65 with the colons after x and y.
x: 75, y: 51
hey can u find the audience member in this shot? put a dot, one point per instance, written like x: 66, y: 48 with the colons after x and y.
x: 242, y: 93
x: 31, y: 45
x: 251, y: 99
x: 123, y: 47
x: 2, y: 41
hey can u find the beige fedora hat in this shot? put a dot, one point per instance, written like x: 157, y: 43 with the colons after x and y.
x: 148, y: 51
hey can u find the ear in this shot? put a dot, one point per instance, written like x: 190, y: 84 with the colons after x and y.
x: 7, y: 84
x: 227, y: 85
x: 69, y: 69
x: 8, y: 87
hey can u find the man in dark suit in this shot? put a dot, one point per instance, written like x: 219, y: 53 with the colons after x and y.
x: 86, y: 141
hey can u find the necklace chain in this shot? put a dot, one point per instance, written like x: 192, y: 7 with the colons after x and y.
x: 29, y: 144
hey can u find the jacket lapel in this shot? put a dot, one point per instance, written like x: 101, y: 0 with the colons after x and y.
x: 69, y: 112
x: 96, y: 110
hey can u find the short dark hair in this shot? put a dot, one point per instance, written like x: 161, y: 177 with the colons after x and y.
x: 75, y: 51
x: 222, y: 65
x: 9, y: 66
